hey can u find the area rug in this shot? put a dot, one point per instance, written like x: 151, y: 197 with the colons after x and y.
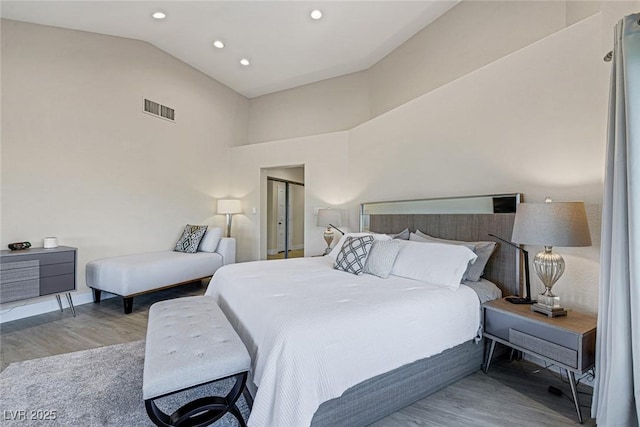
x: 98, y: 387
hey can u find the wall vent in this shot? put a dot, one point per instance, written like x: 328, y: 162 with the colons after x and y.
x: 159, y: 110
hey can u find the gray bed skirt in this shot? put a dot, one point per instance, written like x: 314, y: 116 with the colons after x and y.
x: 385, y: 394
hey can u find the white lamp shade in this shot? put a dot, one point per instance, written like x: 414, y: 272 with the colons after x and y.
x: 229, y: 206
x: 329, y: 216
x: 551, y: 224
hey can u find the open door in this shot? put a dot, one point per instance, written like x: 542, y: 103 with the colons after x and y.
x: 285, y: 213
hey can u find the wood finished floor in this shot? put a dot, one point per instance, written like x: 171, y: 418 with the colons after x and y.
x: 296, y: 253
x: 512, y: 394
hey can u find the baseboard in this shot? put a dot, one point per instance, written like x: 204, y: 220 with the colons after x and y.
x: 48, y: 305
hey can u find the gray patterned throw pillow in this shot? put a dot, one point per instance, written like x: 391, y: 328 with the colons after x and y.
x: 190, y: 239
x: 353, y: 254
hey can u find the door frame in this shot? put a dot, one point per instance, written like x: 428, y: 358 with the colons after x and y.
x: 265, y: 172
x: 288, y: 233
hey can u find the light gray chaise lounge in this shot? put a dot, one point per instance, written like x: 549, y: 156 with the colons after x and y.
x: 132, y: 275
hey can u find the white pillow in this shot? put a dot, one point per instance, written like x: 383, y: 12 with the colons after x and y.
x: 434, y: 263
x: 482, y: 249
x: 336, y: 249
x: 382, y: 256
x: 209, y: 242
x: 414, y: 237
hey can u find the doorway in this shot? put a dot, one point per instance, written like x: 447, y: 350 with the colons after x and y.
x: 285, y: 213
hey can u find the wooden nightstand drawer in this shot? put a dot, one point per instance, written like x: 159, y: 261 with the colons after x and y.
x: 544, y: 348
x: 499, y: 324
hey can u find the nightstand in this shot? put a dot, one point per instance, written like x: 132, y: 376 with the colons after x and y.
x: 568, y: 342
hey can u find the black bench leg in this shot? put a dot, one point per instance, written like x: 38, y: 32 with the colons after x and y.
x: 203, y: 411
x: 247, y: 397
x: 96, y: 295
x: 128, y: 304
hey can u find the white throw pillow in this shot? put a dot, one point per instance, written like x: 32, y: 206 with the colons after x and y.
x: 209, y: 242
x: 420, y: 238
x: 336, y: 249
x: 434, y: 263
x: 482, y: 249
x: 381, y: 258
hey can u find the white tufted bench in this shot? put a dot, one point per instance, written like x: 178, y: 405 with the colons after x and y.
x: 190, y: 342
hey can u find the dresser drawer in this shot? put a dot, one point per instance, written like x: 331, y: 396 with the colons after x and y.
x: 57, y: 284
x: 544, y: 348
x: 18, y: 271
x: 57, y: 269
x: 18, y: 290
x: 44, y: 258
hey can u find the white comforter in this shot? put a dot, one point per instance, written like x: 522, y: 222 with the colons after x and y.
x: 313, y: 332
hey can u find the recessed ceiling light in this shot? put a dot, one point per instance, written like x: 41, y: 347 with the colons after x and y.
x: 245, y: 62
x: 159, y: 15
x: 316, y: 14
x: 218, y: 44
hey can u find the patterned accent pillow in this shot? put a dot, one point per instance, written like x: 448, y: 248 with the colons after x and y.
x: 190, y: 239
x: 353, y: 254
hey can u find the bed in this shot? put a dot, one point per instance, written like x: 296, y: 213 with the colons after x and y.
x: 332, y: 348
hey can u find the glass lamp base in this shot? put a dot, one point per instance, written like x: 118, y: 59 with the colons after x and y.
x: 549, y: 301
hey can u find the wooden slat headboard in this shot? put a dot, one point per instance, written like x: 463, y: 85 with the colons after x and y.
x: 503, y: 267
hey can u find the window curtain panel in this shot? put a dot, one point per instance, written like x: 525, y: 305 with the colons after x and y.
x: 616, y: 394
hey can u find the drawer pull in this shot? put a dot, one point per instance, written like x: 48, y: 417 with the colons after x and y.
x: 544, y: 348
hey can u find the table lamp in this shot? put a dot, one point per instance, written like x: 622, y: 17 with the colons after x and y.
x: 330, y: 218
x: 229, y: 207
x: 550, y: 224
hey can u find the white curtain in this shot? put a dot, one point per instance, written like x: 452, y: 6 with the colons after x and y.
x: 616, y: 395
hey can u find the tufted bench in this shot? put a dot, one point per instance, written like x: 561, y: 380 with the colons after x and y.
x: 189, y: 343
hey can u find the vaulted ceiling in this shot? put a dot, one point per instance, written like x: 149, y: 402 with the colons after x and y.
x: 285, y: 47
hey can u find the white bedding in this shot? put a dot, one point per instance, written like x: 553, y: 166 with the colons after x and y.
x: 313, y: 332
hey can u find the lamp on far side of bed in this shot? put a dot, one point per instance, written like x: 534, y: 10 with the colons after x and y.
x: 551, y: 224
x: 330, y: 218
x: 229, y: 207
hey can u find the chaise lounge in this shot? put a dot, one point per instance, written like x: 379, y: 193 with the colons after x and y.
x: 132, y: 275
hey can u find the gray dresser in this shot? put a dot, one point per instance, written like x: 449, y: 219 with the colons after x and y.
x: 35, y: 272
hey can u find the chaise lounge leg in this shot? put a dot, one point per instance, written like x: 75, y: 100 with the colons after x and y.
x: 96, y: 295
x: 128, y: 304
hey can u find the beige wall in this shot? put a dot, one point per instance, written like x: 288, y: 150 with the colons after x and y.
x: 532, y: 121
x: 468, y: 37
x: 325, y: 167
x: 81, y: 161
x: 326, y: 106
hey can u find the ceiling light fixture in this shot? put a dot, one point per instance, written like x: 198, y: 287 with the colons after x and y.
x: 159, y: 15
x: 316, y: 14
x: 245, y: 62
x: 218, y: 44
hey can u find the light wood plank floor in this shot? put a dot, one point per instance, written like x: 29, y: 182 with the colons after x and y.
x: 513, y: 393
x: 296, y: 253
